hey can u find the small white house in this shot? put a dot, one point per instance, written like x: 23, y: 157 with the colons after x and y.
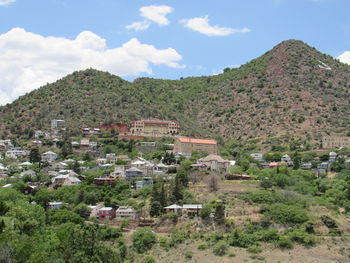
x: 16, y: 152
x: 49, y: 157
x: 53, y: 205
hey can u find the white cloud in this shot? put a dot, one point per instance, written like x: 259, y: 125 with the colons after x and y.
x: 139, y: 25
x: 28, y: 60
x: 201, y: 25
x: 345, y: 57
x: 156, y: 13
x: 6, y: 2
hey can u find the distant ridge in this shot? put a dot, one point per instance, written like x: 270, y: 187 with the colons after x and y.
x: 291, y: 89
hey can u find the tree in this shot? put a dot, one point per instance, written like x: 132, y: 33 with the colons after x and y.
x: 296, y: 160
x: 156, y: 209
x: 34, y: 156
x: 2, y: 226
x: 219, y: 212
x: 76, y: 167
x: 213, y: 183
x: 83, y: 210
x: 177, y: 192
x: 66, y: 149
x: 143, y: 239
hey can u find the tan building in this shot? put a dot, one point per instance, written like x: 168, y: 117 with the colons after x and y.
x: 214, y: 162
x: 188, y: 145
x: 329, y: 142
x: 154, y: 127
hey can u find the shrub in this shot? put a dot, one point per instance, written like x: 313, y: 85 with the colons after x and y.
x: 188, y: 254
x: 220, y: 248
x: 143, y: 239
x: 231, y: 254
x: 255, y: 249
x: 262, y: 197
x: 149, y: 259
x: 285, y: 214
x: 302, y: 237
x: 202, y: 246
x: 285, y: 242
x: 329, y: 222
x: 239, y: 238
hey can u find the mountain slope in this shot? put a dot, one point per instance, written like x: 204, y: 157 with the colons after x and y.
x: 292, y: 89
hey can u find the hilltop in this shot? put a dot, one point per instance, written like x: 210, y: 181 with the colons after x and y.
x: 291, y: 89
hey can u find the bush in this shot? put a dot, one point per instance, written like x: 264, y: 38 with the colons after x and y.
x: 220, y: 248
x: 149, y: 259
x: 239, y: 238
x: 231, y: 254
x: 202, y: 246
x: 188, y: 254
x: 255, y: 249
x: 329, y: 222
x: 285, y: 242
x: 143, y: 239
x: 286, y: 214
x: 302, y: 237
x: 262, y: 197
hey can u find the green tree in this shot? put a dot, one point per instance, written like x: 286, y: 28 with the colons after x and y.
x: 34, y: 156
x: 143, y: 239
x: 83, y: 210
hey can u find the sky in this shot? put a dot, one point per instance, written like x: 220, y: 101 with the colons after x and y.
x: 42, y: 41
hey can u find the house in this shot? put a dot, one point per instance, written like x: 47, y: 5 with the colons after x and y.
x: 287, y: 160
x: 273, y: 165
x: 123, y: 157
x: 257, y: 156
x: 66, y: 179
x: 91, y: 131
x: 16, y: 152
x: 54, y: 205
x: 125, y: 212
x: 146, y: 181
x: 111, y: 157
x: 214, y: 163
x: 154, y: 128
x: 25, y: 165
x: 57, y: 124
x: 329, y: 142
x: 192, y: 210
x: 101, y: 161
x: 29, y: 189
x: 161, y: 168
x: 188, y: 145
x: 59, y: 166
x: 306, y: 166
x: 189, y: 209
x: 5, y: 144
x: 39, y: 134
x: 71, y: 180
x: 332, y: 156
x: 85, y: 143
x: 94, y: 210
x: 106, y: 213
x: 132, y: 173
x: 49, y: 157
x: 3, y: 171
x: 117, y: 174
x: 100, y: 181
x: 30, y: 173
x: 347, y: 163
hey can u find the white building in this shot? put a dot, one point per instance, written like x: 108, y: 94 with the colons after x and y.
x: 49, y: 157
x: 53, y: 205
x: 57, y: 124
x: 16, y: 152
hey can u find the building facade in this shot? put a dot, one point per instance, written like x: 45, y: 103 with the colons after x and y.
x: 188, y: 145
x: 329, y: 142
x: 154, y: 127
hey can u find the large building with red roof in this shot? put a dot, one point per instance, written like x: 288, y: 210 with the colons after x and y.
x: 188, y: 145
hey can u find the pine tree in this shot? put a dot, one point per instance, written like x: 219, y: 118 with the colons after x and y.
x: 177, y: 189
x: 34, y: 156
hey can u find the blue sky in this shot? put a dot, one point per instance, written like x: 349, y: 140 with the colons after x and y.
x: 43, y: 40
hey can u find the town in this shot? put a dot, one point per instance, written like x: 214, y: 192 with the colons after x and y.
x: 146, y: 174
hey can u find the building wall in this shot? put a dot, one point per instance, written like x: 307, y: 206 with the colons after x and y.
x: 154, y: 127
x: 329, y: 142
x: 189, y: 147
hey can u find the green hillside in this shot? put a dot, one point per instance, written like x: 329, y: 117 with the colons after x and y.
x: 292, y: 89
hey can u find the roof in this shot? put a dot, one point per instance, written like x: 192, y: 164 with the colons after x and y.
x: 201, y: 141
x: 26, y: 163
x: 190, y: 206
x: 133, y: 169
x: 49, y: 152
x: 106, y: 209
x: 174, y: 206
x: 213, y: 157
x: 125, y: 209
x: 73, y: 179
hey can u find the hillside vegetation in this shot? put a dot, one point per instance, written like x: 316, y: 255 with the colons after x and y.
x: 292, y: 89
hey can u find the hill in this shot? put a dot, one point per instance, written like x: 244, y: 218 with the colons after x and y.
x: 291, y: 89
